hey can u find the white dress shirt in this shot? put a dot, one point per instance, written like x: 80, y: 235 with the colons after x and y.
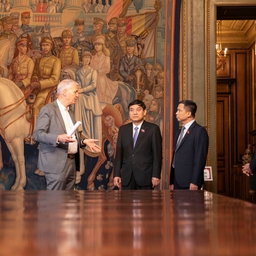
x: 72, y: 146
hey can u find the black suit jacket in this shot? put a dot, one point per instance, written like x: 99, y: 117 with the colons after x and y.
x: 253, y: 169
x: 190, y: 157
x: 144, y: 160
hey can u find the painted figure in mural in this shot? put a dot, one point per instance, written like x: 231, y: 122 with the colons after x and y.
x: 79, y: 30
x: 156, y: 113
x: 117, y: 47
x: 149, y: 81
x: 68, y: 55
x: 7, y: 32
x: 15, y: 23
x: 99, y: 7
x: 7, y: 6
x: 55, y: 121
x: 87, y: 107
x: 41, y: 7
x: 156, y: 69
x: 160, y: 79
x: 33, y: 6
x: 25, y: 20
x: 138, y: 158
x: 129, y: 63
x: 86, y: 5
x: 60, y: 6
x: 51, y: 8
x: 112, y: 29
x: 106, y: 6
x: 98, y: 24
x: 21, y: 68
x: 45, y: 76
x: 122, y: 36
x: 158, y: 92
x: 147, y: 99
x: 79, y: 40
x: 106, y: 89
x: 93, y: 6
x: 1, y: 6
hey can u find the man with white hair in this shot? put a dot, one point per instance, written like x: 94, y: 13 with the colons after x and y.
x: 58, y: 147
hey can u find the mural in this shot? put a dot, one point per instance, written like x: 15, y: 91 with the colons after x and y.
x: 113, y: 49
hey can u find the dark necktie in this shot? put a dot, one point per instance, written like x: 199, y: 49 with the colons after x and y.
x: 180, y: 137
x: 135, y: 135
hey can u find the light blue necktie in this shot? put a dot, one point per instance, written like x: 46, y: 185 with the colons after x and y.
x: 135, y: 135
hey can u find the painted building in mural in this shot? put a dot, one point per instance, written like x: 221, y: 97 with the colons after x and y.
x: 131, y: 37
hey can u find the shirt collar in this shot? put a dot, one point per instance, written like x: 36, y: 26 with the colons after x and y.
x: 133, y: 125
x: 61, y: 106
x: 189, y: 124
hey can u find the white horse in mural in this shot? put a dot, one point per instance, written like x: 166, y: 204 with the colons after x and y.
x: 14, y: 127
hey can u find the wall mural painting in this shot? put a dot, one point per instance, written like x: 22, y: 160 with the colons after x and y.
x: 111, y: 48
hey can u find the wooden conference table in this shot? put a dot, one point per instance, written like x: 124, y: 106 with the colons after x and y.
x: 53, y: 223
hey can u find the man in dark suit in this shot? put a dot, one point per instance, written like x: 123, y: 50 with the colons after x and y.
x: 57, y: 149
x: 138, y: 159
x: 189, y: 151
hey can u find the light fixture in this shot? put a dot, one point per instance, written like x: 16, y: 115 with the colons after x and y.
x: 221, y: 54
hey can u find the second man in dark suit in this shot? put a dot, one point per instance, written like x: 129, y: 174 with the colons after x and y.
x: 138, y: 157
x: 189, y: 151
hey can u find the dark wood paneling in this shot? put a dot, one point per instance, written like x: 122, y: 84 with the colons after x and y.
x: 232, y: 126
x: 223, y: 142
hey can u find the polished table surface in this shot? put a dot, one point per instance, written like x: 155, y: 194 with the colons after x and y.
x: 137, y: 223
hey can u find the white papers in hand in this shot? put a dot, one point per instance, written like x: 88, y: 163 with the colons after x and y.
x: 70, y: 133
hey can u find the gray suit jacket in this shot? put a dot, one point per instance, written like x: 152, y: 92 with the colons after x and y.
x: 52, y: 156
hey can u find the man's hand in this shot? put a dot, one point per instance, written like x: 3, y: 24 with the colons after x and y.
x: 35, y: 85
x: 117, y: 182
x: 91, y: 144
x: 155, y: 182
x: 246, y: 170
x: 193, y: 187
x: 171, y: 187
x: 64, y: 138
